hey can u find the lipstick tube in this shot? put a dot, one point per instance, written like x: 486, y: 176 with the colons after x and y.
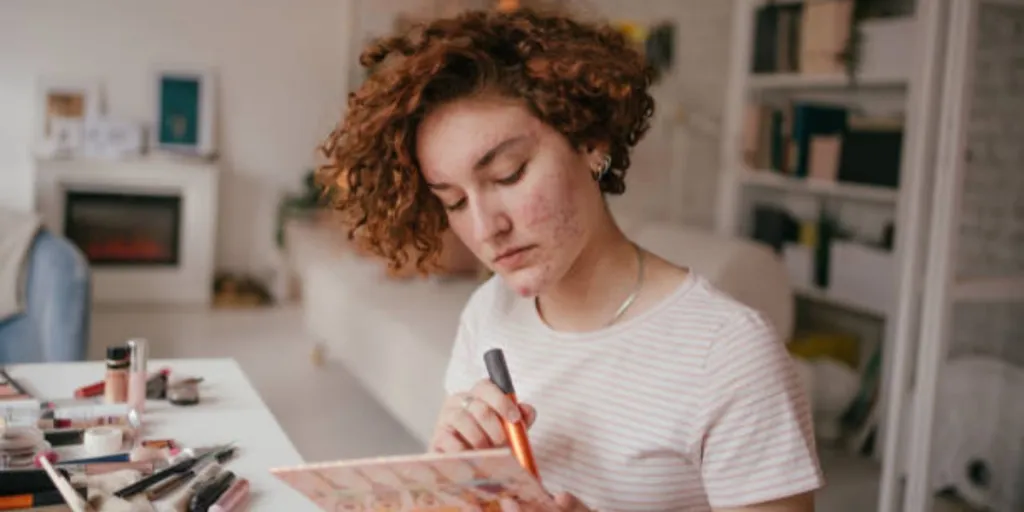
x: 494, y: 359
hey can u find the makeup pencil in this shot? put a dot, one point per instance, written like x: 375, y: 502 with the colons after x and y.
x: 494, y: 359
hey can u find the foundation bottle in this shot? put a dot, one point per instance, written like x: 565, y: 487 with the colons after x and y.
x: 115, y: 384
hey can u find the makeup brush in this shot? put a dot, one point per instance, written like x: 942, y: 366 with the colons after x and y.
x: 159, y: 491
x: 175, y: 469
x: 74, y: 500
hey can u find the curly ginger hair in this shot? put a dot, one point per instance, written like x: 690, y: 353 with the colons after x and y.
x: 584, y: 80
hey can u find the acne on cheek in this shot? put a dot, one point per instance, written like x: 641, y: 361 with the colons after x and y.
x: 556, y: 215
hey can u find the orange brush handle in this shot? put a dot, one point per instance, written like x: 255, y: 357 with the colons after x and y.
x: 520, y: 443
x: 494, y: 359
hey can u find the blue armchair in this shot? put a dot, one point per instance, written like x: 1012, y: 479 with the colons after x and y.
x: 54, y: 323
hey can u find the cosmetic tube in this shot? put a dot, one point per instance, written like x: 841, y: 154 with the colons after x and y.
x: 137, y: 376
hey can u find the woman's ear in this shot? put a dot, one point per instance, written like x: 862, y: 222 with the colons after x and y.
x: 596, y: 155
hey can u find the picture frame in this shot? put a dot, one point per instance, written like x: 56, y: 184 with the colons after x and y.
x: 186, y: 104
x: 112, y: 138
x: 62, y: 104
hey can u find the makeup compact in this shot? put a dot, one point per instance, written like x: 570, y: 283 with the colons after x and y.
x: 185, y: 392
x: 19, y: 446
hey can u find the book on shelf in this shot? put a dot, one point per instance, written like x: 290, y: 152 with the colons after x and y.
x: 807, y: 37
x: 804, y: 139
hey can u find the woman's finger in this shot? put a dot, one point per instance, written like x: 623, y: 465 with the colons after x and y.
x: 449, y: 441
x: 529, y: 413
x: 493, y: 396
x: 466, y: 425
x: 489, y: 421
x: 568, y: 503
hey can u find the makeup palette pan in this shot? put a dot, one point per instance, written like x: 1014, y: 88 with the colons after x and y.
x: 18, y: 446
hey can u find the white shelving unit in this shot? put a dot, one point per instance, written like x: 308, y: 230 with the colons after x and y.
x: 809, y: 186
x: 908, y: 92
x: 958, y: 285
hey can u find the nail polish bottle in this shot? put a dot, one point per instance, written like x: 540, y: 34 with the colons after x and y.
x: 115, y: 387
x: 139, y: 353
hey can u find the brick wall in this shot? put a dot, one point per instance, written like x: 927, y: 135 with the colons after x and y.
x: 991, y: 231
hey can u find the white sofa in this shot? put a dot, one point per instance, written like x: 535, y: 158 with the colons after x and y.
x: 395, y: 336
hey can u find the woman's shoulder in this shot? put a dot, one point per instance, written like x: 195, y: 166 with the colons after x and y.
x: 702, y: 310
x: 489, y: 301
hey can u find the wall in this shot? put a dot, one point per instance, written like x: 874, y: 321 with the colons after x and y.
x: 281, y: 67
x: 662, y: 183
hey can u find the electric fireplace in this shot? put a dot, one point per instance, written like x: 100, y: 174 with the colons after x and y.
x: 147, y: 225
x: 124, y: 228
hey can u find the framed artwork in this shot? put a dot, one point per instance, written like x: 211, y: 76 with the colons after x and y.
x: 63, y: 107
x: 186, y: 110
x: 112, y: 138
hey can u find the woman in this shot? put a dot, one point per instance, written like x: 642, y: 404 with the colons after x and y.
x: 644, y: 387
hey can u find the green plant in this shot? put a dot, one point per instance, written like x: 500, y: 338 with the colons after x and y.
x: 309, y: 199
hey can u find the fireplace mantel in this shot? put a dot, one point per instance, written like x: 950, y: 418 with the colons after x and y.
x: 190, y: 281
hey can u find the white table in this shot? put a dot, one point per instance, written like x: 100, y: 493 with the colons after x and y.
x: 230, y: 411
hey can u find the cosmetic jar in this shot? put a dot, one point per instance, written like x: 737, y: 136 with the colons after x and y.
x: 184, y: 393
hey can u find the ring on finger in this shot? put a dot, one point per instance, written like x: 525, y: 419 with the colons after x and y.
x: 466, y: 402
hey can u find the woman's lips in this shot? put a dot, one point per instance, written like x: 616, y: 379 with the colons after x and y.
x: 513, y: 258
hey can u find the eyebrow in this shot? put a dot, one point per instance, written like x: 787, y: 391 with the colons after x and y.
x: 486, y: 159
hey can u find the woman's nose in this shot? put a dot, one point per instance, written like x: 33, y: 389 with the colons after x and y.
x: 489, y: 222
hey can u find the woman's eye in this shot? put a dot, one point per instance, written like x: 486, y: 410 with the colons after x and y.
x: 514, y: 177
x: 457, y: 205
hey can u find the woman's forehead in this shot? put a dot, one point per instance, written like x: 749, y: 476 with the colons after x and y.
x: 456, y: 136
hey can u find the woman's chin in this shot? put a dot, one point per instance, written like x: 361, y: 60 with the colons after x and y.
x: 526, y: 282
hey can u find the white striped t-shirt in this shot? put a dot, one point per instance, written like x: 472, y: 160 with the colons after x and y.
x: 690, y: 405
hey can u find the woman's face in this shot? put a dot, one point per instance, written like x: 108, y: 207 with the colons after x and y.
x: 517, y: 194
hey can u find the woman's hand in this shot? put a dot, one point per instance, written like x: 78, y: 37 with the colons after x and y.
x: 473, y: 420
x: 568, y: 503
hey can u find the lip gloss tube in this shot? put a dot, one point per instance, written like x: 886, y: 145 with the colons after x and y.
x: 494, y: 359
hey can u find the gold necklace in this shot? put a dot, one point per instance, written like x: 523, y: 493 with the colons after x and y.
x: 636, y: 289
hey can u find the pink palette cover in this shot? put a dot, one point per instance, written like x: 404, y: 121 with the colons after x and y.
x: 479, y: 481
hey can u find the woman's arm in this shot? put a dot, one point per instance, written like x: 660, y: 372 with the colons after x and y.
x: 756, y: 429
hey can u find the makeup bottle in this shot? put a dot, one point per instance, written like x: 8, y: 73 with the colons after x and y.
x: 138, y: 350
x: 115, y: 384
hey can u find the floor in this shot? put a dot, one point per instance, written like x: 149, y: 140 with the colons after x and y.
x: 324, y: 410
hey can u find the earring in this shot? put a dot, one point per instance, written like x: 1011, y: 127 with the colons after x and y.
x: 602, y: 169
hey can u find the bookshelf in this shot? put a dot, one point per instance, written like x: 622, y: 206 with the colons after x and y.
x: 821, y: 82
x: 956, y: 276
x: 830, y: 188
x: 762, y: 166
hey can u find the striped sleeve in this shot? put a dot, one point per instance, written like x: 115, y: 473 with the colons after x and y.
x: 758, y: 433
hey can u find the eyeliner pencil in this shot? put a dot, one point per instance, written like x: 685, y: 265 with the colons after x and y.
x: 494, y: 359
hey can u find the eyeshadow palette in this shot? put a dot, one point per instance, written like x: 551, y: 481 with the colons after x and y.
x: 483, y: 480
